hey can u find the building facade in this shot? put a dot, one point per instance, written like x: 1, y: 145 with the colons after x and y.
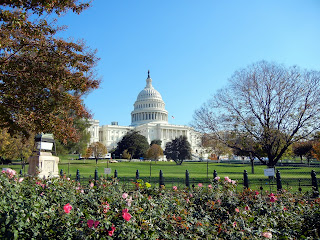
x: 150, y: 118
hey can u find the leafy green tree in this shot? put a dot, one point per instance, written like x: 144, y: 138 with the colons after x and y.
x: 154, y: 152
x: 270, y: 103
x: 135, y: 144
x: 156, y: 141
x: 303, y: 149
x: 42, y: 77
x: 178, y: 149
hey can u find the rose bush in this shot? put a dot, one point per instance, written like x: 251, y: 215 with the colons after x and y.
x: 65, y: 209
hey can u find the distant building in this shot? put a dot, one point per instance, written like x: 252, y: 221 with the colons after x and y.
x: 150, y: 119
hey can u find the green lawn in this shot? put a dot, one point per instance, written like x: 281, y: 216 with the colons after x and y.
x: 174, y: 173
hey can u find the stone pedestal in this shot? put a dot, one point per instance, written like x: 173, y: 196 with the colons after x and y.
x: 44, y: 165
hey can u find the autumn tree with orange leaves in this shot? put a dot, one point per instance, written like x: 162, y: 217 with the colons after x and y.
x: 42, y: 78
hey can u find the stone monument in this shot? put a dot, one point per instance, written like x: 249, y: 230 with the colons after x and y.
x: 43, y: 164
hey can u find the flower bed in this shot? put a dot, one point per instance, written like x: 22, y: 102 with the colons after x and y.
x: 60, y: 208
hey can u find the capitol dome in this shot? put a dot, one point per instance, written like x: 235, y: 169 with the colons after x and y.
x: 149, y: 106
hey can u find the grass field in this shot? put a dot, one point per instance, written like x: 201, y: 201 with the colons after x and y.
x: 175, y: 174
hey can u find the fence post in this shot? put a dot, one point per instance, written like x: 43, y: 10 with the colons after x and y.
x: 279, y: 183
x: 137, y: 174
x: 314, y: 184
x: 215, y: 174
x: 78, y: 176
x: 20, y: 173
x: 115, y: 173
x: 161, y: 180
x: 187, y: 179
x: 245, y: 179
x: 61, y: 173
x: 95, y: 176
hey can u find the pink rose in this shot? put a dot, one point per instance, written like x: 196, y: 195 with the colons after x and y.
x: 129, y: 200
x: 174, y: 188
x: 273, y: 198
x: 106, y: 207
x: 91, y: 184
x: 113, y: 228
x: 124, y: 195
x: 217, y: 178
x: 237, y: 210
x: 91, y: 223
x: 126, y: 216
x: 267, y: 235
x: 227, y: 179
x: 20, y: 180
x: 210, y: 186
x: 200, y: 184
x: 67, y: 208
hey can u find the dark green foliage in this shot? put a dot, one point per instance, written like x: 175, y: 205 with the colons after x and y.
x: 301, y: 149
x: 156, y: 141
x: 178, y: 149
x: 135, y: 143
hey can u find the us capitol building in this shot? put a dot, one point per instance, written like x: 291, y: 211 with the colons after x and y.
x: 150, y: 118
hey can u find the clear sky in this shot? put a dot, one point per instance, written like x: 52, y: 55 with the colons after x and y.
x: 190, y: 47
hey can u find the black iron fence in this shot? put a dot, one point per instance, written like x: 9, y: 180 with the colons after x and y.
x: 271, y: 183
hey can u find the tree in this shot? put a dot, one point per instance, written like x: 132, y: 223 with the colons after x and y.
x: 97, y: 150
x: 15, y: 147
x: 42, y: 78
x: 315, y: 152
x: 303, y: 149
x: 126, y: 155
x: 156, y: 141
x: 214, y: 146
x: 135, y: 144
x: 178, y: 149
x: 270, y: 103
x: 80, y: 146
x: 154, y: 152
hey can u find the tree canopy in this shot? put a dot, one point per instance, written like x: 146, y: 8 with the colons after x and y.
x: 97, y: 150
x: 268, y: 103
x: 42, y: 77
x: 303, y: 149
x: 178, y: 149
x: 154, y: 152
x: 156, y: 141
x: 14, y: 147
x: 80, y: 146
x: 135, y: 144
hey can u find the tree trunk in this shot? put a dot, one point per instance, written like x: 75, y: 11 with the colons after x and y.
x: 252, y: 166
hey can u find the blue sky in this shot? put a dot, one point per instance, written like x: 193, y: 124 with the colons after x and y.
x: 190, y: 47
